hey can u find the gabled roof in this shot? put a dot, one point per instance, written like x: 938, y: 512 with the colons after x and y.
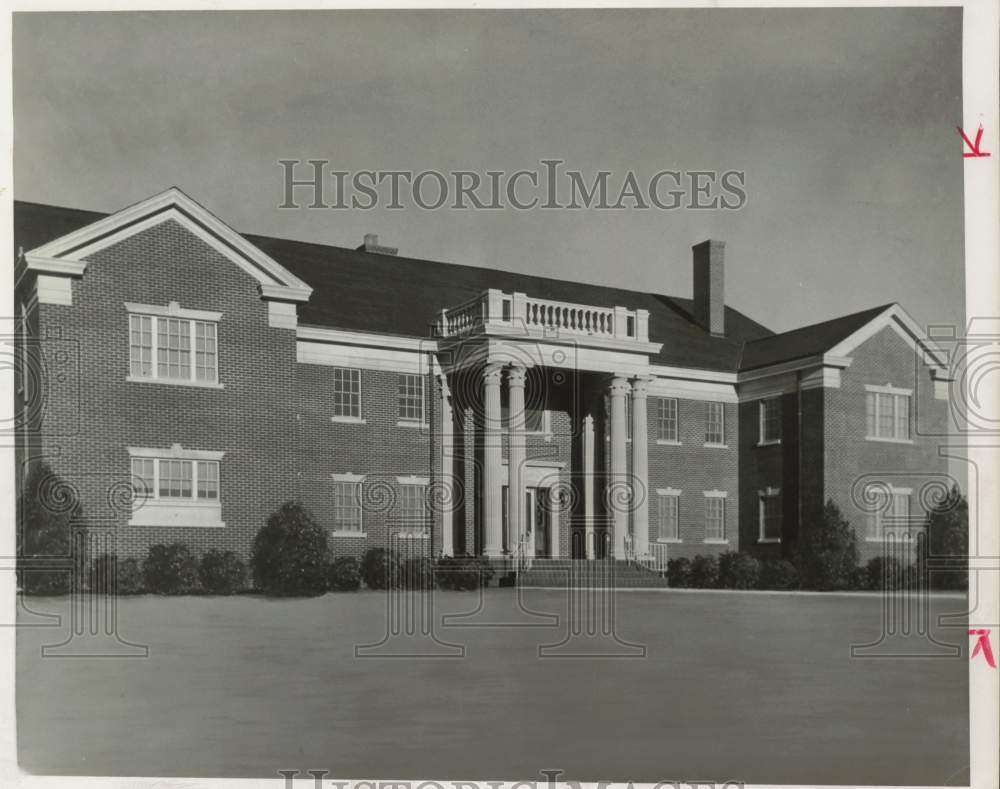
x: 363, y: 291
x: 805, y: 341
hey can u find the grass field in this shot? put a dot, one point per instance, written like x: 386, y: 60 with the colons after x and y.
x: 753, y: 687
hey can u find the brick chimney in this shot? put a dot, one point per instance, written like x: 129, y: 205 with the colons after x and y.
x: 371, y: 245
x: 709, y: 258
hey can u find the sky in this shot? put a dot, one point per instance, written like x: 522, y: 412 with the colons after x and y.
x: 843, y: 120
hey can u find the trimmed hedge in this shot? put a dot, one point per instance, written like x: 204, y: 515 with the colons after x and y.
x: 679, y: 572
x: 289, y: 555
x: 464, y: 572
x: 777, y: 574
x: 170, y: 569
x: 380, y: 568
x: 704, y: 572
x: 221, y: 572
x: 826, y: 555
x: 417, y: 573
x: 738, y: 570
x: 128, y: 575
x: 344, y: 574
x: 46, y: 507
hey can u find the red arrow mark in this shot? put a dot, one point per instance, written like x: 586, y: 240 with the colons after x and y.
x: 973, y: 151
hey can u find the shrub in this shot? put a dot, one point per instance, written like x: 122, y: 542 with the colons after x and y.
x: 704, y: 572
x: 289, y: 554
x: 948, y: 538
x: 738, y: 570
x: 170, y: 569
x: 460, y: 573
x: 46, y: 507
x: 417, y: 573
x: 222, y: 573
x: 884, y: 572
x: 344, y: 575
x: 380, y: 568
x: 128, y: 575
x: 777, y: 574
x: 679, y: 572
x: 827, y: 552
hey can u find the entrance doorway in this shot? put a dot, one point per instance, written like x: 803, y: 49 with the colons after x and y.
x: 537, y: 521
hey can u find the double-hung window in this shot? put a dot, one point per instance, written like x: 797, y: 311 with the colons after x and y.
x: 770, y: 516
x: 411, y: 398
x: 414, y: 512
x: 347, y: 394
x: 715, y: 423
x: 173, y: 345
x: 666, y: 420
x: 347, y: 504
x: 715, y: 516
x: 668, y: 515
x: 887, y: 412
x: 888, y: 513
x: 770, y: 420
x: 175, y: 487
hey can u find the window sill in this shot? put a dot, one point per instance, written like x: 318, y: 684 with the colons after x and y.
x: 665, y: 541
x: 716, y: 542
x: 708, y: 445
x: 889, y: 440
x: 191, y: 514
x: 908, y: 538
x: 174, y: 382
x: 775, y: 443
x: 413, y: 424
x: 341, y: 533
x: 348, y: 420
x: 402, y: 535
x: 768, y: 540
x: 663, y: 442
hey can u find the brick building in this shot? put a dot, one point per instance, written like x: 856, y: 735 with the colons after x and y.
x: 185, y: 380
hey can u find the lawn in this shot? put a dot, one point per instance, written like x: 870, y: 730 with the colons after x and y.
x: 753, y: 687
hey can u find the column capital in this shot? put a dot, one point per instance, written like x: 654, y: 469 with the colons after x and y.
x: 516, y: 374
x: 443, y: 381
x: 619, y: 386
x: 492, y: 374
x: 640, y: 385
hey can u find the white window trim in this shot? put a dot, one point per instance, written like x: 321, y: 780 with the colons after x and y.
x: 766, y: 493
x: 890, y: 390
x: 717, y: 494
x: 675, y: 493
x: 185, y: 513
x: 761, y: 441
x: 414, y: 481
x: 669, y: 442
x: 354, y: 420
x: 417, y: 423
x: 892, y: 492
x: 356, y: 479
x: 174, y: 310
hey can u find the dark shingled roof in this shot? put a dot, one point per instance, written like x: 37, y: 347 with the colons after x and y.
x: 363, y: 291
x: 806, y: 341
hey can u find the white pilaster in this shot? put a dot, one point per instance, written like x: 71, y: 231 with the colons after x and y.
x: 640, y: 467
x: 588, y: 485
x: 617, y: 495
x: 492, y: 463
x: 516, y: 452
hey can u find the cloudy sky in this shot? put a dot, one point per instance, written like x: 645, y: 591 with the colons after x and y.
x: 843, y: 120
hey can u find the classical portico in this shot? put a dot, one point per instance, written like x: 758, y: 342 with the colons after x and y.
x: 589, y: 473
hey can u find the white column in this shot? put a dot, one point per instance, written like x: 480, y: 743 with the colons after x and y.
x: 492, y: 463
x: 554, y: 522
x: 588, y: 485
x: 640, y: 467
x: 618, y: 498
x: 516, y: 452
x: 447, y: 469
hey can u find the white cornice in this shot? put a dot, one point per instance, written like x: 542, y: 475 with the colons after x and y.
x: 173, y: 204
x: 370, y: 339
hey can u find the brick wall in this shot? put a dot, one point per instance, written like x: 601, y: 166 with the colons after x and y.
x: 694, y: 468
x: 850, y: 459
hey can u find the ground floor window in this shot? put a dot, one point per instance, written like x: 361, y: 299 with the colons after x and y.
x: 770, y: 516
x: 413, y: 508
x: 175, y: 486
x: 715, y: 516
x: 889, y: 513
x: 347, y: 503
x: 668, y: 515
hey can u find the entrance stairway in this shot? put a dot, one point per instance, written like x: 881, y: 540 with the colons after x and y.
x: 582, y: 574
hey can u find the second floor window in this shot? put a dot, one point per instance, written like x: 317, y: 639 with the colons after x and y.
x: 887, y: 415
x: 770, y: 421
x: 715, y: 423
x: 411, y: 398
x: 666, y: 420
x: 347, y: 392
x: 173, y: 349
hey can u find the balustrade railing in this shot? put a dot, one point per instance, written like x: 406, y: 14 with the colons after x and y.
x: 496, y: 309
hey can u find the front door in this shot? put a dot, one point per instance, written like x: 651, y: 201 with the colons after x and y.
x: 538, y: 518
